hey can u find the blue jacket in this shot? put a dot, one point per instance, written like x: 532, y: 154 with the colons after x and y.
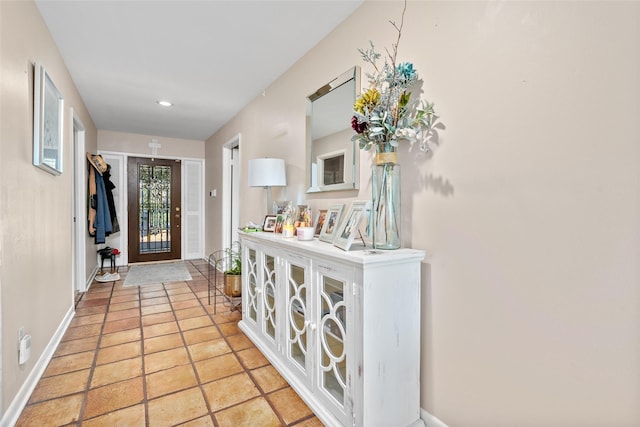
x: 102, y: 222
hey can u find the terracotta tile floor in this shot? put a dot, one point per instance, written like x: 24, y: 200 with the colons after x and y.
x: 156, y: 355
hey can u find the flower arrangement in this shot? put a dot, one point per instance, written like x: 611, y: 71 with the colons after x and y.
x: 386, y: 113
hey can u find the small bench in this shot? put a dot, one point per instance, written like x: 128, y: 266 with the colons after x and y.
x: 108, y: 253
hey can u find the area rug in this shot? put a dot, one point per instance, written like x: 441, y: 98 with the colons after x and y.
x: 147, y: 274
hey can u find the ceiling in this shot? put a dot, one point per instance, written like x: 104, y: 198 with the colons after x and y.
x: 209, y: 58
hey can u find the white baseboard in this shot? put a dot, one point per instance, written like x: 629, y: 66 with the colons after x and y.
x: 430, y: 420
x: 91, y: 277
x: 10, y: 417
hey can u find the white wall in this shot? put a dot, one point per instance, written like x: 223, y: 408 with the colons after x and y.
x: 529, y: 207
x: 132, y: 143
x: 35, y: 206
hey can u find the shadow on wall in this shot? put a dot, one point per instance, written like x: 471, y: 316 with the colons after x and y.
x: 439, y: 185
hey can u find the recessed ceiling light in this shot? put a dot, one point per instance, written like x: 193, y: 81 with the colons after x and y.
x: 165, y: 103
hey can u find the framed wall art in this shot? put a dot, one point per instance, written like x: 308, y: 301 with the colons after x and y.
x: 331, y: 222
x: 47, y: 122
x: 351, y: 223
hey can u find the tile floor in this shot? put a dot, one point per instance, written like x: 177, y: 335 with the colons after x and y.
x: 156, y: 355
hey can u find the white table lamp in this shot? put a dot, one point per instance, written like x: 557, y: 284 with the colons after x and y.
x: 267, y: 173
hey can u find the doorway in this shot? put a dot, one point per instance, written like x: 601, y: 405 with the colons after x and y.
x: 231, y: 191
x: 79, y: 207
x: 154, y: 212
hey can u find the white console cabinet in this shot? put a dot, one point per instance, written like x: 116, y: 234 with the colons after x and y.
x: 343, y: 328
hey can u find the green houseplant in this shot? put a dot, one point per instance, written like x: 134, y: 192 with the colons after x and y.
x: 233, y: 274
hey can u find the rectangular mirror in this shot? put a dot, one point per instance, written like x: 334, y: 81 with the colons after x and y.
x: 332, y: 158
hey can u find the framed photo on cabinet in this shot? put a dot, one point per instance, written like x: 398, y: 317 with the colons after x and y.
x: 47, y: 122
x: 269, y: 223
x: 351, y: 223
x: 331, y: 222
x: 322, y: 214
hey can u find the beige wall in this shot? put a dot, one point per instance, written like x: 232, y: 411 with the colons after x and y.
x: 528, y: 209
x: 35, y: 206
x: 132, y: 143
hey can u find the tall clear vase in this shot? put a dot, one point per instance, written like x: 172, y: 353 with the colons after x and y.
x: 385, y: 211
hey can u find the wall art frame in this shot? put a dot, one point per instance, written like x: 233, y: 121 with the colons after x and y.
x: 48, y: 117
x: 351, y: 224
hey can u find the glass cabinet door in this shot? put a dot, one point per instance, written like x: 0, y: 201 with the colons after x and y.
x: 269, y: 296
x: 298, y: 314
x: 333, y: 335
x: 251, y: 267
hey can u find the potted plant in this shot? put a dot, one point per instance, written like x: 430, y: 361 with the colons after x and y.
x: 233, y: 274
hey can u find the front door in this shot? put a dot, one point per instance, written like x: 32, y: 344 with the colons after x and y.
x: 154, y: 209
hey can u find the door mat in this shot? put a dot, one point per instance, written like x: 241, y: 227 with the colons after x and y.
x: 148, y: 274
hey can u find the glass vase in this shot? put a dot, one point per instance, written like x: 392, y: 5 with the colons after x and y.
x: 386, y: 199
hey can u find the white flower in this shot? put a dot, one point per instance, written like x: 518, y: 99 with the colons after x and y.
x: 406, y: 133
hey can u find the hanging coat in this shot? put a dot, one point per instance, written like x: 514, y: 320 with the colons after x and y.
x: 92, y: 202
x: 109, y: 186
x: 102, y: 222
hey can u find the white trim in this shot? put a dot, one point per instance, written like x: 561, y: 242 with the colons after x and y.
x: 92, y: 275
x: 430, y: 420
x: 80, y: 212
x: 118, y: 240
x: 227, y: 190
x: 148, y: 156
x: 183, y: 203
x: 1, y: 324
x: 16, y: 407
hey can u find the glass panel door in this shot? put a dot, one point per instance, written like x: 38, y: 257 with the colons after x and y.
x: 333, y: 334
x: 251, y: 267
x: 154, y: 209
x: 269, y: 296
x: 298, y: 315
x: 154, y: 199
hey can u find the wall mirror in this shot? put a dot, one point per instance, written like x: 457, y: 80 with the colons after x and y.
x: 332, y: 158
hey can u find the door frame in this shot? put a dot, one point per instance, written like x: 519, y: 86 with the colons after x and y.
x: 119, y: 178
x: 79, y: 271
x: 125, y: 196
x: 230, y: 191
x: 175, y: 209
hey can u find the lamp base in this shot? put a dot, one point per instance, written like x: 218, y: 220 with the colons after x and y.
x: 269, y: 200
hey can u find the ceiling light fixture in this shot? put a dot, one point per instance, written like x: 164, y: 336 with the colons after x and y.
x: 165, y: 103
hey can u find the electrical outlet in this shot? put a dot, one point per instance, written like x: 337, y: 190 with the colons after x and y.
x: 20, y: 333
x: 24, y: 353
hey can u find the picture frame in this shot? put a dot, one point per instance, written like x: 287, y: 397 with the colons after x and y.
x: 279, y: 222
x: 351, y: 224
x: 269, y: 223
x: 48, y: 116
x: 299, y: 219
x: 322, y: 214
x: 331, y: 222
x: 299, y: 214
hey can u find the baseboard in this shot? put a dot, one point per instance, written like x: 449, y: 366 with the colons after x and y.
x: 91, y: 277
x: 10, y: 417
x: 430, y: 420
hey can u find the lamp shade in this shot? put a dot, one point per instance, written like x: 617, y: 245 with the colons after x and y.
x: 267, y: 173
